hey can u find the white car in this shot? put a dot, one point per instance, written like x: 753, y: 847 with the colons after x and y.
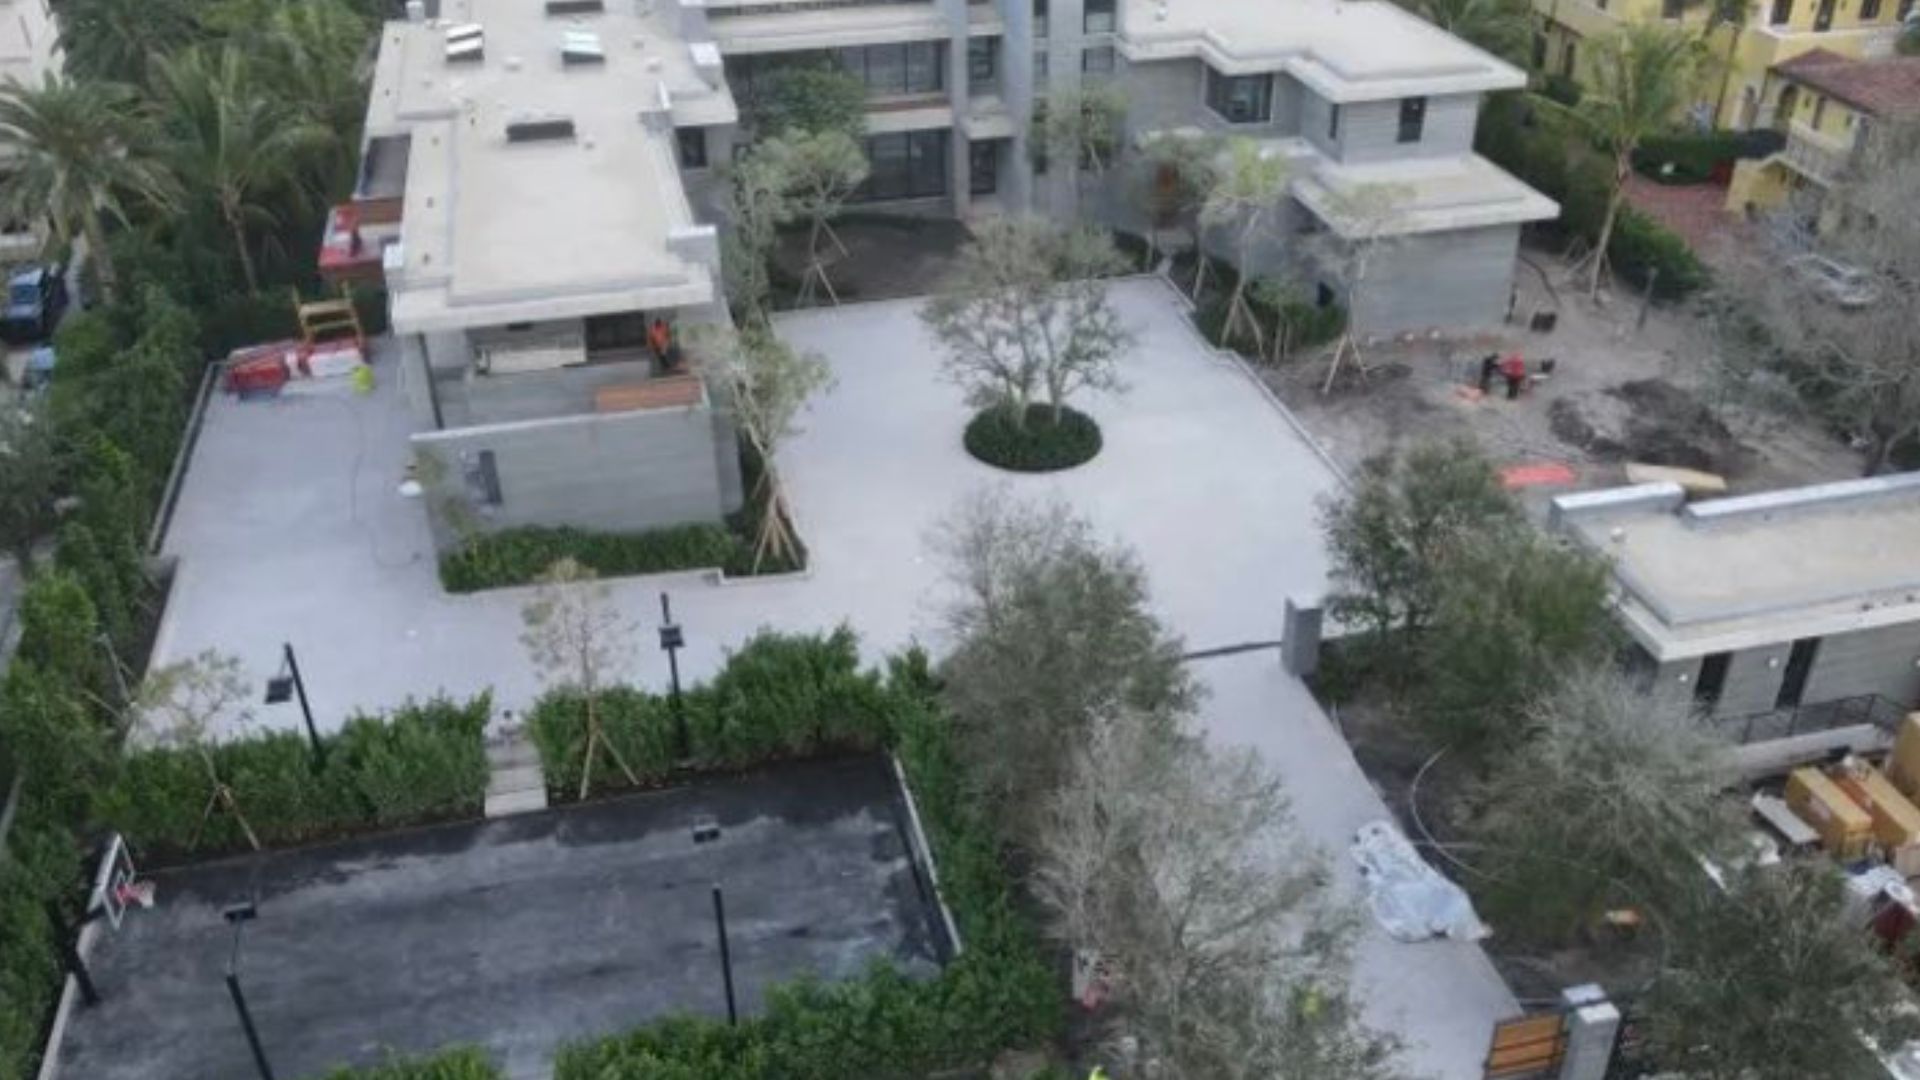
x: 1843, y: 285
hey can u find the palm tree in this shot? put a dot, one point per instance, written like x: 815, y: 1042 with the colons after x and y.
x: 1731, y: 14
x: 315, y: 54
x: 228, y: 137
x: 1643, y: 76
x: 78, y: 153
x: 1502, y: 27
x: 115, y: 39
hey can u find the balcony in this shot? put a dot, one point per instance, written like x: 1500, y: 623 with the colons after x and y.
x: 1820, y: 158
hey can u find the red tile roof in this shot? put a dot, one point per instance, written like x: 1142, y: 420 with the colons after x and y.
x: 1885, y: 88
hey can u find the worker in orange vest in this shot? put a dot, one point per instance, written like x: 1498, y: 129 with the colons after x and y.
x: 660, y: 339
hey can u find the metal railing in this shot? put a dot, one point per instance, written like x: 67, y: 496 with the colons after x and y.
x: 1880, y: 712
x: 1814, y: 155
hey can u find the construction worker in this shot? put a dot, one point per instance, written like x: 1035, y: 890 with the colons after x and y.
x: 1514, y: 370
x: 660, y: 339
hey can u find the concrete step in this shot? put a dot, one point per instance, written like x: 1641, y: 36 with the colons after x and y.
x: 518, y: 778
x: 512, y: 755
x: 516, y: 802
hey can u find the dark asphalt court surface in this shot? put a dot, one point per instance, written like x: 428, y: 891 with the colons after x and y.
x: 516, y: 935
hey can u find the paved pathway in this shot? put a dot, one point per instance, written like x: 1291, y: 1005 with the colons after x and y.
x: 289, y: 527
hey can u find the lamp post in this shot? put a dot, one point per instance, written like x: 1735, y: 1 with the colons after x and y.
x: 671, y: 642
x: 288, y: 684
x: 726, y: 953
x: 238, y: 916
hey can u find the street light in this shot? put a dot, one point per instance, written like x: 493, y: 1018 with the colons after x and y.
x: 287, y: 684
x: 238, y: 916
x: 671, y: 642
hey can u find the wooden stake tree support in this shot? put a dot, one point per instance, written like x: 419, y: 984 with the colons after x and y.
x: 573, y: 633
x: 189, y: 703
x: 766, y: 383
x: 1246, y: 194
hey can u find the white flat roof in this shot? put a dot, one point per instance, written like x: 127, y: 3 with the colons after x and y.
x: 497, y: 231
x: 1727, y: 574
x: 1438, y: 194
x: 760, y: 26
x: 1346, y: 50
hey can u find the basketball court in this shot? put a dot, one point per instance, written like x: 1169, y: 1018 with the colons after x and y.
x: 515, y: 935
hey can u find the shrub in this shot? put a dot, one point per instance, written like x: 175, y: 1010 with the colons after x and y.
x: 1041, y: 445
x: 640, y: 726
x: 422, y: 762
x: 1642, y: 246
x: 1561, y: 88
x: 517, y: 556
x: 463, y: 1064
x: 1686, y: 158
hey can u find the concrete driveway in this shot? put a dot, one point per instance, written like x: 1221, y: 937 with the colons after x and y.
x: 289, y: 527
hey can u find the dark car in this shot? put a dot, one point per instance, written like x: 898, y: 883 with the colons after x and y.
x: 36, y: 298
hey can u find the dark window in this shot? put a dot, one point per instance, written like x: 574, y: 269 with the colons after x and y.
x: 1672, y: 9
x: 926, y: 67
x: 1240, y: 99
x: 1333, y: 123
x: 1711, y: 680
x: 1413, y: 118
x: 910, y: 165
x: 1567, y: 59
x: 616, y: 333
x: 483, y: 479
x: 1099, y: 16
x: 693, y: 147
x: 915, y: 67
x: 1819, y: 112
x: 1039, y: 18
x: 1782, y: 12
x: 1540, y: 51
x: 1823, y: 16
x: 982, y: 59
x: 1869, y: 10
x: 983, y: 167
x: 1793, y: 682
x: 1097, y: 60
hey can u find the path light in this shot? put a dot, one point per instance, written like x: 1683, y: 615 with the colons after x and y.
x: 288, y: 684
x: 238, y: 916
x: 671, y: 642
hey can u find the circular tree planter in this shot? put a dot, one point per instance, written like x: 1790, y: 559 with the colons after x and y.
x: 1040, y: 446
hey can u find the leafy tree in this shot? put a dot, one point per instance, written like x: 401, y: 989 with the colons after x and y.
x: 190, y: 706
x: 1514, y: 612
x: 60, y: 634
x: 79, y: 554
x: 226, y: 136
x: 1050, y: 632
x: 817, y: 173
x: 1246, y: 196
x: 1773, y: 978
x: 755, y: 203
x: 117, y: 40
x: 1643, y: 77
x: 809, y: 99
x: 30, y: 468
x: 575, y: 635
x: 1390, y: 536
x: 1174, y: 174
x: 1026, y: 313
x: 1502, y: 27
x: 1855, y: 364
x: 311, y: 54
x: 53, y: 735
x: 1609, y: 799
x: 79, y: 158
x: 1085, y: 125
x: 767, y: 383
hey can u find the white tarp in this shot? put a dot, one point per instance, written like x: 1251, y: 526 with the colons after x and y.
x: 1412, y: 900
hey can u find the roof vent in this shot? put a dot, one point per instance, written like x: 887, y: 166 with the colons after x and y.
x: 576, y: 7
x: 581, y: 47
x: 466, y: 42
x: 549, y: 129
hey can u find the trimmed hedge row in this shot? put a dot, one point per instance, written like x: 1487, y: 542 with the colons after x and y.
x: 518, y: 556
x: 422, y: 762
x: 1040, y: 445
x: 463, y: 1064
x: 998, y: 993
x: 779, y: 696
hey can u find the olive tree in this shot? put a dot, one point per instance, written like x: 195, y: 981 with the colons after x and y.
x: 190, y: 705
x: 575, y: 635
x: 765, y: 383
x: 1173, y: 174
x: 1083, y: 126
x: 1025, y: 316
x: 816, y: 173
x: 1246, y: 196
x: 1366, y: 223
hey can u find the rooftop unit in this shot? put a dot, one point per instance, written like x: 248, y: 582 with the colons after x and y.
x: 576, y: 7
x: 465, y: 42
x: 581, y: 47
x: 544, y: 129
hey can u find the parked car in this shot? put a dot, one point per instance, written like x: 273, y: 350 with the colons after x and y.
x: 1840, y: 284
x: 36, y: 298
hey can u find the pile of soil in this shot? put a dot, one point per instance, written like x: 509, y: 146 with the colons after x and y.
x: 1660, y: 424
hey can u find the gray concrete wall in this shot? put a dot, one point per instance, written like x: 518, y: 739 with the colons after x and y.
x: 1451, y: 280
x: 1879, y: 661
x: 620, y: 472
x: 1173, y: 93
x: 1370, y: 130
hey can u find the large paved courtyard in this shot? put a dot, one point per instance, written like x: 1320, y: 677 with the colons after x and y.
x: 290, y: 527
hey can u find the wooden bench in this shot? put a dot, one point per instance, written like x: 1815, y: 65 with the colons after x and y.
x: 671, y: 392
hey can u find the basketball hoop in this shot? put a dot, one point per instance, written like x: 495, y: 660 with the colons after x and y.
x: 135, y: 893
x: 117, y: 886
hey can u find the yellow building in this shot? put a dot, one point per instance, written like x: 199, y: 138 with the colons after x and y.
x: 1774, y: 31
x: 1825, y: 106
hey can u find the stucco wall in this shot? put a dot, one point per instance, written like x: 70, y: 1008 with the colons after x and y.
x: 1450, y: 280
x: 622, y: 472
x: 1370, y: 130
x: 1848, y: 665
x: 1172, y: 93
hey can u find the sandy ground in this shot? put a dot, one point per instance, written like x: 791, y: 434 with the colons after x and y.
x: 1618, y: 392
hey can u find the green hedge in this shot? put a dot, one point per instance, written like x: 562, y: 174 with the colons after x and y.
x: 518, y: 556
x: 422, y: 762
x: 1040, y: 445
x: 1642, y: 245
x: 1311, y: 325
x: 999, y: 993
x: 779, y: 696
x: 463, y: 1064
x: 43, y: 868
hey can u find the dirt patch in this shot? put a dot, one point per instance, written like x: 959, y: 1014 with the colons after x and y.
x: 1651, y: 421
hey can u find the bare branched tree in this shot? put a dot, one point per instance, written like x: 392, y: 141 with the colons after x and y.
x: 1246, y: 197
x: 191, y: 704
x: 1849, y: 343
x: 1026, y: 312
x: 575, y: 634
x: 1366, y: 221
x: 817, y: 173
x: 766, y: 384
x: 1050, y: 630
